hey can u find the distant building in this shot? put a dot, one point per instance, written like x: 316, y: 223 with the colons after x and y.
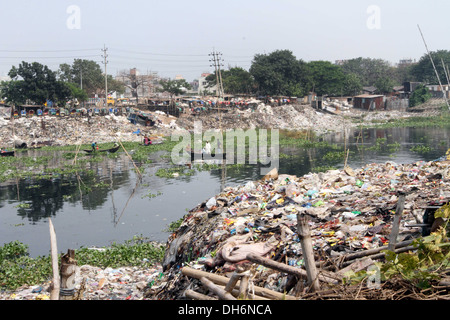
x: 439, y: 92
x: 140, y: 85
x: 203, y: 88
x: 369, y: 102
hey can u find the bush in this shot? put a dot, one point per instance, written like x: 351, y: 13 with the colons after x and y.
x: 420, y: 95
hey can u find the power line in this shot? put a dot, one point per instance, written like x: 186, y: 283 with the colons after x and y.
x: 66, y: 50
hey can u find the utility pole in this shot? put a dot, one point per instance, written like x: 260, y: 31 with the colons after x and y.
x: 105, y: 62
x: 216, y: 63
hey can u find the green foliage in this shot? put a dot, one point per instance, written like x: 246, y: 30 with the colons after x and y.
x: 420, y: 95
x: 326, y: 78
x: 384, y: 85
x: 18, y: 269
x: 235, y: 80
x: 279, y: 73
x: 174, y: 87
x: 423, y: 71
x: 90, y: 74
x: 35, y: 82
x: 425, y: 265
x: 369, y: 70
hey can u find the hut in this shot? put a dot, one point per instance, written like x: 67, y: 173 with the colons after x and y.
x: 369, y: 102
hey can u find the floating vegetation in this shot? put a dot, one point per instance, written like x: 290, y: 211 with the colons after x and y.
x: 420, y: 149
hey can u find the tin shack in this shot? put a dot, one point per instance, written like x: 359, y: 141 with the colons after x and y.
x: 369, y: 102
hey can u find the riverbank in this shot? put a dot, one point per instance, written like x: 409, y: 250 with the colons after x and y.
x: 265, y: 208
x: 52, y: 130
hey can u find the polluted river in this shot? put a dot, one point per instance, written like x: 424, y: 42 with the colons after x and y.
x: 117, y: 198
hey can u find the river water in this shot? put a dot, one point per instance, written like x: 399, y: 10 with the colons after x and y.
x: 120, y: 205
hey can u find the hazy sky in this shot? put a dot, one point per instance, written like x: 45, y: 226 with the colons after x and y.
x: 174, y: 37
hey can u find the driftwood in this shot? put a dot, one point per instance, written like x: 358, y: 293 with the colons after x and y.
x: 221, y: 280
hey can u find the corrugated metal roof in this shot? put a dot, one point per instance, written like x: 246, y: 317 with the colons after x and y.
x: 369, y: 96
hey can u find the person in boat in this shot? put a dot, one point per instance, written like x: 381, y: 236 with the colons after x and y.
x: 147, y: 141
x: 207, y: 148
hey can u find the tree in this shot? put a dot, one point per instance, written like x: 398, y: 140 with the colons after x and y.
x: 88, y: 75
x: 423, y: 71
x: 384, y: 85
x: 279, y: 73
x: 174, y: 87
x: 326, y: 78
x: 352, y: 85
x: 368, y: 70
x: 420, y: 95
x: 34, y: 82
x: 235, y: 80
x: 134, y: 81
x: 76, y: 92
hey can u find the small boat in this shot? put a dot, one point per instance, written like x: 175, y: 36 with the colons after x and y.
x: 110, y: 150
x: 7, y: 153
x: 207, y: 156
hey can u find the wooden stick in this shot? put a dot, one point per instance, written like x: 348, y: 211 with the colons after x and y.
x: 235, y: 292
x: 131, y: 158
x: 197, y: 296
x: 307, y: 251
x: 223, y: 295
x: 232, y: 283
x: 243, y: 287
x: 54, y: 294
x: 323, y: 276
x: 218, y: 279
x: 396, y: 225
x: 68, y: 269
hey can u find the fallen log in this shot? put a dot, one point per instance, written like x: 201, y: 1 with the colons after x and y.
x: 221, y: 280
x: 191, y: 294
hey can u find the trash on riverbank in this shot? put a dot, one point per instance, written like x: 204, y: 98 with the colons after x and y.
x: 251, y: 230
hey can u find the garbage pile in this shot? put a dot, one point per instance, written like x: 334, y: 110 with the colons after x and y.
x: 51, y: 130
x: 289, y: 117
x: 94, y: 283
x: 251, y: 231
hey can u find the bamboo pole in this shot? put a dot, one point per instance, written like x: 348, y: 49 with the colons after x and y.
x: 221, y: 293
x: 131, y: 158
x: 323, y: 276
x: 396, y: 224
x: 54, y: 294
x: 307, y: 251
x: 191, y: 294
x: 221, y: 280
